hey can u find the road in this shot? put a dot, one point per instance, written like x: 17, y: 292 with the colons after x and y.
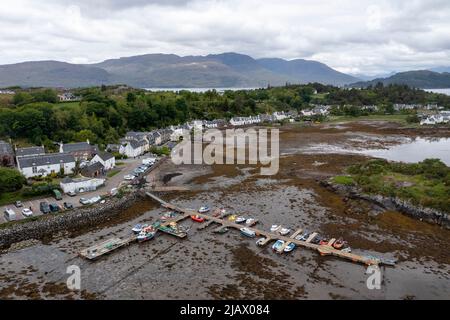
x: 116, y: 181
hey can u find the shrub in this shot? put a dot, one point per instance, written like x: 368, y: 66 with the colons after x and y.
x: 11, y: 180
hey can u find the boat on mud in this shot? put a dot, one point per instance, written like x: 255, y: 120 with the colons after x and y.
x: 197, y: 218
x: 139, y: 227
x: 284, y: 231
x: 278, y: 246
x: 204, y: 209
x: 221, y: 230
x: 339, y: 244
x: 261, y: 242
x: 248, y: 233
x: 274, y: 228
x: 168, y: 215
x: 290, y: 247
x: 303, y: 237
x: 146, y: 234
x: 324, y: 241
x: 240, y: 219
x: 250, y: 222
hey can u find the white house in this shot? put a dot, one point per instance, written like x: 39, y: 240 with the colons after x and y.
x: 134, y: 148
x: 278, y: 116
x: 106, y: 159
x: 177, y: 133
x: 80, y: 185
x: 44, y: 165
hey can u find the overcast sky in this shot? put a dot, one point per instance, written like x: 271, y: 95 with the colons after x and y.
x: 355, y: 36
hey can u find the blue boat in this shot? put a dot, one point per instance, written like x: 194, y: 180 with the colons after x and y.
x: 289, y: 247
x: 248, y: 233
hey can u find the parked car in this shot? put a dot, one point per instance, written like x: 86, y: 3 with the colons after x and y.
x: 44, y: 207
x: 71, y: 194
x: 84, y: 201
x: 68, y: 205
x: 95, y: 199
x: 54, y: 207
x: 114, y: 191
x: 18, y: 204
x: 129, y: 177
x: 10, y: 215
x: 57, y: 194
x: 27, y: 212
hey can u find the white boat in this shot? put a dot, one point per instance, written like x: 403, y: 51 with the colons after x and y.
x: 289, y: 247
x: 146, y: 234
x: 274, y: 228
x: 203, y: 209
x: 248, y: 233
x: 240, y: 219
x: 347, y: 250
x: 277, y: 246
x: 250, y: 221
x: 285, y: 231
x: 261, y: 242
x: 139, y: 227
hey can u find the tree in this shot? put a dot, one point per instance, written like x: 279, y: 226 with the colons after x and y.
x: 11, y: 180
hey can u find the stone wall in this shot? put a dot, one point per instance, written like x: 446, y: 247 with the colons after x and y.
x: 77, y: 218
x: 392, y: 203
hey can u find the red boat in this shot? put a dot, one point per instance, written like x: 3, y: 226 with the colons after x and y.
x: 324, y: 242
x: 339, y: 243
x: 197, y: 218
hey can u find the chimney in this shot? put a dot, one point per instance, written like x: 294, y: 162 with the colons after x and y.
x: 61, y: 150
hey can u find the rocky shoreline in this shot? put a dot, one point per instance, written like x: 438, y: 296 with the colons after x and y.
x: 77, y: 218
x: 391, y: 203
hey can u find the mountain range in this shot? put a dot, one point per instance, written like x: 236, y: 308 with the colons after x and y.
x: 169, y: 70
x: 424, y: 79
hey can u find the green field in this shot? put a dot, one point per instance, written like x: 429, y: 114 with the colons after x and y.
x: 400, y: 118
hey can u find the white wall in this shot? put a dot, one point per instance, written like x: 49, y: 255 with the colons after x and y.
x: 28, y: 172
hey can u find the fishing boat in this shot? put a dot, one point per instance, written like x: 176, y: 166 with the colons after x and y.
x: 248, y: 233
x: 347, y: 250
x: 204, y: 209
x: 249, y: 222
x: 339, y: 244
x: 146, y: 234
x: 278, y: 246
x: 274, y: 228
x: 139, y: 227
x: 197, y: 218
x: 285, y: 231
x: 261, y: 242
x: 289, y: 247
x: 240, y: 219
x: 324, y: 241
x: 232, y: 218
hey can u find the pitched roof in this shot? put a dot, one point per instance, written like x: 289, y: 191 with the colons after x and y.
x: 30, y: 151
x: 48, y: 159
x: 93, y: 168
x: 105, y: 156
x: 78, y: 146
x: 5, y: 148
x: 136, y: 144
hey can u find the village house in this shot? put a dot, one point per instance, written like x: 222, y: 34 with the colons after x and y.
x: 177, y: 133
x: 133, y: 149
x: 111, y: 147
x: 439, y: 118
x: 82, y: 151
x: 6, y: 154
x: 138, y: 136
x: 242, y: 121
x: 165, y: 135
x: 93, y: 170
x: 80, y: 184
x: 67, y: 97
x: 43, y: 165
x: 106, y: 159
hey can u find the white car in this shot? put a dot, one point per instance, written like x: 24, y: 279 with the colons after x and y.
x: 27, y: 213
x: 129, y: 177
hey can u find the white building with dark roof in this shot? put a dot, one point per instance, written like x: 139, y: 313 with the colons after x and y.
x: 44, y: 165
x: 106, y: 159
x: 29, y: 152
x: 134, y: 148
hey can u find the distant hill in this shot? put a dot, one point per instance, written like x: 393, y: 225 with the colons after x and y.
x: 423, y: 79
x: 169, y: 70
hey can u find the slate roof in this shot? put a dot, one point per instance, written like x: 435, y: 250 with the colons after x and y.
x: 105, y: 156
x: 136, y: 144
x: 91, y: 169
x: 30, y: 151
x: 78, y: 146
x: 48, y: 159
x: 5, y: 148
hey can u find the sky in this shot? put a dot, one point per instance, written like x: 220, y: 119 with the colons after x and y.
x: 352, y: 36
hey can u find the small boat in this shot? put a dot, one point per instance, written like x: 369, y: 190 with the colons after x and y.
x: 316, y: 239
x: 197, y: 218
x: 250, y: 222
x: 303, y: 237
x: 324, y: 241
x: 217, y: 213
x: 240, y: 219
x: 346, y: 250
x: 221, y: 230
x: 139, y: 227
x: 248, y: 233
x: 204, y: 209
x: 339, y: 244
x: 285, y: 231
x: 289, y: 247
x: 261, y: 242
x: 146, y: 234
x: 277, y: 246
x: 232, y: 218
x: 274, y: 228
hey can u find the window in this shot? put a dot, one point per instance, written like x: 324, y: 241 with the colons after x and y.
x: 34, y: 169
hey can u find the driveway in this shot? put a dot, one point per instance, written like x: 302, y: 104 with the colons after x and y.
x: 114, y: 182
